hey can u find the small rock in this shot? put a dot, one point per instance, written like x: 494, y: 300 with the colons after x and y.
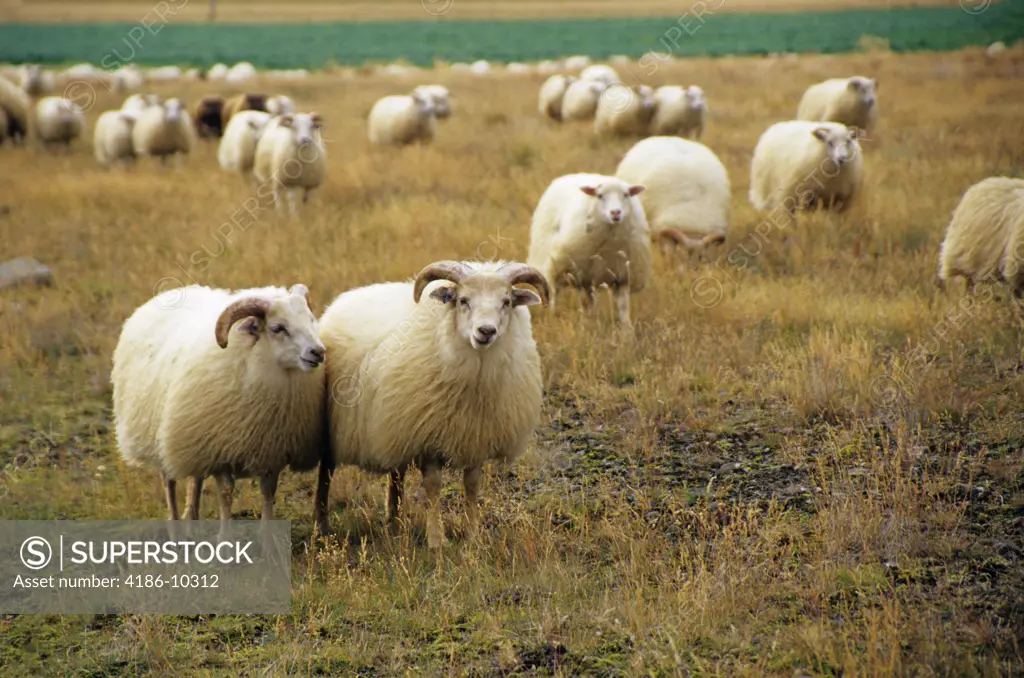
x: 730, y: 467
x: 24, y: 270
x: 857, y: 472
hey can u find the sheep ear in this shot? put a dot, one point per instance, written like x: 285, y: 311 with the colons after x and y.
x: 253, y: 124
x: 589, y: 190
x: 852, y: 84
x: 251, y: 326
x: 856, y: 133
x: 821, y: 133
x: 637, y: 190
x: 445, y: 294
x: 525, y: 298
x: 317, y: 120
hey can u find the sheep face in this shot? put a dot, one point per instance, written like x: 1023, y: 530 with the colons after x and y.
x: 840, y: 146
x: 305, y: 126
x: 483, y: 306
x: 864, y: 88
x: 614, y: 200
x: 423, y: 102
x: 173, y: 109
x: 283, y: 326
x: 694, y: 97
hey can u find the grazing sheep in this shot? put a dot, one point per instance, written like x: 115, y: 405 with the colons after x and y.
x: 688, y: 189
x: 552, y: 93
x: 164, y: 74
x: 137, y: 103
x: 580, y: 100
x: 242, y: 102
x: 440, y: 99
x: 600, y: 73
x: 467, y: 343
x: 280, y: 105
x: 624, y: 111
x: 402, y: 119
x: 240, y: 73
x: 217, y: 72
x: 985, y: 238
x: 480, y: 67
x: 801, y: 165
x: 212, y: 382
x: 237, y: 150
x: 590, y: 230
x: 163, y: 131
x: 16, y: 106
x: 58, y: 121
x: 679, y: 111
x: 128, y: 77
x: 291, y: 153
x: 849, y: 101
x: 112, y: 138
x: 577, y: 63
x: 206, y: 116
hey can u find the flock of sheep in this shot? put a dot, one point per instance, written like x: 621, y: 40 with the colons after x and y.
x: 443, y: 370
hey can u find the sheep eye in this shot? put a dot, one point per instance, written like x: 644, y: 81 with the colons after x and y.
x: 506, y: 302
x: 464, y: 302
x: 278, y: 329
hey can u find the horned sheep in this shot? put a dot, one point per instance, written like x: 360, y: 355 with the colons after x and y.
x: 398, y: 120
x: 290, y: 152
x: 849, y: 101
x: 460, y: 332
x: 209, y: 382
x: 590, y: 230
x: 58, y: 121
x: 624, y: 111
x: 552, y: 94
x: 679, y: 111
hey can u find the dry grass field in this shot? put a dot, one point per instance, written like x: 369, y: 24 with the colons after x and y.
x: 805, y: 460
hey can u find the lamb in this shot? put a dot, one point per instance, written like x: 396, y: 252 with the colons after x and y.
x: 552, y: 93
x: 237, y: 150
x: 58, y: 121
x: 213, y: 382
x: 849, y: 101
x: 580, y: 100
x: 112, y: 138
x: 291, y: 153
x: 15, y: 105
x: 624, y: 111
x: 399, y: 119
x: 679, y: 111
x: 136, y: 103
x: 985, y: 238
x: 590, y: 230
x: 163, y: 131
x: 600, y: 73
x: 801, y: 165
x: 206, y: 116
x: 242, y: 102
x: 468, y: 344
x: 688, y: 197
x: 280, y: 105
x: 439, y: 97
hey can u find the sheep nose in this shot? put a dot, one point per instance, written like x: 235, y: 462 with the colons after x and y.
x: 487, y: 330
x: 616, y: 214
x: 318, y: 354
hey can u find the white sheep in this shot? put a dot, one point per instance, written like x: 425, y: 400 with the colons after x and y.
x: 291, y: 154
x: 439, y: 97
x: 467, y: 343
x: 577, y: 62
x: 237, y: 149
x: 58, y: 121
x: 600, y: 73
x: 279, y: 104
x: 217, y: 72
x: 209, y: 382
x: 112, y: 138
x: 801, y: 165
x: 136, y: 103
x: 624, y: 111
x: 164, y: 131
x: 850, y: 101
x: 16, y: 107
x: 679, y: 111
x: 985, y: 238
x: 552, y: 92
x: 687, y: 189
x: 480, y: 67
x: 580, y: 100
x: 402, y: 119
x: 128, y: 77
x: 164, y: 74
x: 240, y: 73
x: 590, y: 230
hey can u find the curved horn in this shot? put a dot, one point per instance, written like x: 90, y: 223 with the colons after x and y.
x: 454, y: 271
x: 521, y: 273
x: 243, y: 308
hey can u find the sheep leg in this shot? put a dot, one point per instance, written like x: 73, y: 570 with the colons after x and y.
x: 226, y: 487
x: 587, y: 298
x: 471, y: 486
x: 277, y: 197
x: 396, y: 486
x: 432, y: 480
x: 268, y: 487
x: 320, y: 499
x: 621, y: 293
x: 195, y: 491
x: 170, y: 494
x: 305, y: 195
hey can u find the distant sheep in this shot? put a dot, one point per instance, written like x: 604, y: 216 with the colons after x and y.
x: 461, y: 333
x: 112, y: 138
x: 552, y: 93
x: 590, y: 230
x: 59, y: 121
x: 679, y: 112
x: 136, y: 103
x: 580, y: 101
x: 207, y: 116
x: 600, y: 73
x: 242, y: 102
x: 209, y: 382
x: 237, y: 150
x: 985, y: 238
x: 163, y: 131
x: 33, y: 80
x: 440, y: 99
x: 398, y: 120
x: 279, y: 104
x: 240, y: 73
x: 624, y: 111
x: 17, y: 111
x: 291, y: 154
x: 801, y: 165
x: 848, y: 101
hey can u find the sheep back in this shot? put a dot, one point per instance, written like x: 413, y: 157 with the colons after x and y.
x: 154, y: 134
x: 834, y: 101
x: 237, y: 149
x: 397, y: 120
x: 622, y: 111
x: 552, y: 93
x: 112, y: 137
x: 985, y: 237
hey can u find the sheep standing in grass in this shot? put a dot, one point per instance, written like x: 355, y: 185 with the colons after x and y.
x: 440, y: 99
x: 552, y: 92
x: 398, y: 120
x: 849, y: 101
x: 112, y: 138
x: 624, y: 111
x: 59, y: 121
x: 580, y: 101
x: 209, y: 382
x: 136, y: 103
x: 985, y: 238
x: 590, y: 230
x: 290, y: 153
x: 679, y: 112
x: 688, y: 192
x: 16, y: 109
x: 163, y: 131
x: 467, y: 343
x: 206, y: 116
x: 802, y: 165
x: 237, y: 150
